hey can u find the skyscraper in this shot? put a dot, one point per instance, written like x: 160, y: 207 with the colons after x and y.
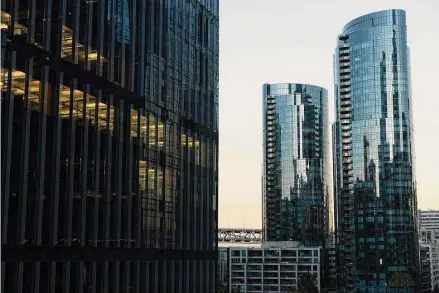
x: 109, y: 148
x: 374, y: 183
x: 295, y: 170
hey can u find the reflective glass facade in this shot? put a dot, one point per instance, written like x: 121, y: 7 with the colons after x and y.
x: 295, y: 171
x: 374, y: 180
x: 109, y: 124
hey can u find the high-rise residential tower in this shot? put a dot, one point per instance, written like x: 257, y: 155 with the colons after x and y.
x: 374, y: 182
x: 295, y: 169
x: 109, y: 146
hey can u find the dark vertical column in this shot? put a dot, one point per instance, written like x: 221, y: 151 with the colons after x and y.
x: 24, y: 164
x: 68, y: 200
x: 111, y: 41
x: 95, y: 186
x: 150, y: 47
x: 118, y: 185
x: 100, y: 35
x: 128, y: 213
x: 108, y: 189
x: 8, y: 110
x: 137, y: 209
x: 55, y: 168
x: 141, y: 53
x: 131, y: 67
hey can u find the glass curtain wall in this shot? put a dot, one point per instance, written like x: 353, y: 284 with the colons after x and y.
x: 375, y: 191
x: 109, y: 116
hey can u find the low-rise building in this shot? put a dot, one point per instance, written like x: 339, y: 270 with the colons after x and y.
x: 272, y: 266
x: 429, y: 259
x: 428, y: 225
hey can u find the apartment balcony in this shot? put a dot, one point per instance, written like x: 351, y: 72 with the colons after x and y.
x: 346, y: 116
x: 345, y: 84
x: 345, y: 71
x: 270, y: 116
x: 345, y: 90
x: 346, y: 102
x: 346, y: 128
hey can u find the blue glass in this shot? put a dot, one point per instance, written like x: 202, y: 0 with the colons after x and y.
x: 295, y: 192
x: 121, y: 13
x: 374, y: 184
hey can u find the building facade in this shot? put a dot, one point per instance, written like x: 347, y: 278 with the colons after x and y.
x: 223, y: 265
x: 429, y: 262
x: 330, y: 265
x: 109, y: 148
x: 375, y: 193
x: 272, y: 266
x: 295, y: 170
x: 428, y: 225
x: 428, y: 220
x: 425, y: 270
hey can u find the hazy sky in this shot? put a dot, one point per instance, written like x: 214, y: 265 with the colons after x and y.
x: 293, y: 41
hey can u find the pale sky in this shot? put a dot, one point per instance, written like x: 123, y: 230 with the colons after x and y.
x: 293, y: 41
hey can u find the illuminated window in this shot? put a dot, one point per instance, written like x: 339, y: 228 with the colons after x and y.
x: 80, y: 49
x: 18, y: 82
x: 142, y: 175
x: 19, y: 29
x: 152, y: 130
x: 104, y: 114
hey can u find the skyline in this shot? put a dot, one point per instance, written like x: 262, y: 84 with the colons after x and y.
x: 308, y: 61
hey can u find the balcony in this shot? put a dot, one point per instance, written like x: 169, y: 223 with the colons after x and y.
x: 346, y: 116
x: 345, y: 90
x: 345, y: 71
x: 346, y: 101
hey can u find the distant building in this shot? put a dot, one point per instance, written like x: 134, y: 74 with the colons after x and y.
x: 296, y: 163
x: 374, y: 174
x: 271, y: 266
x: 428, y: 225
x: 425, y: 269
x: 223, y: 269
x: 330, y: 269
x: 429, y: 259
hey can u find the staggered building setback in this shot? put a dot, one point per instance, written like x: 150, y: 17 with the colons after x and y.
x: 109, y: 123
x: 374, y: 182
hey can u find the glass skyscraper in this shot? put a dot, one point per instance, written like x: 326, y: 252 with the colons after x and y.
x: 295, y: 170
x: 374, y: 182
x: 109, y: 147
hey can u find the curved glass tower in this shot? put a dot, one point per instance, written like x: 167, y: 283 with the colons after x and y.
x: 375, y: 195
x: 295, y: 178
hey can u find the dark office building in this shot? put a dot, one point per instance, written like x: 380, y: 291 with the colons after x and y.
x: 374, y: 182
x: 296, y: 163
x: 109, y: 124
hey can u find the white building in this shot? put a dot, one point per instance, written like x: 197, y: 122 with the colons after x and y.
x: 428, y: 224
x: 272, y: 266
x: 429, y: 253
